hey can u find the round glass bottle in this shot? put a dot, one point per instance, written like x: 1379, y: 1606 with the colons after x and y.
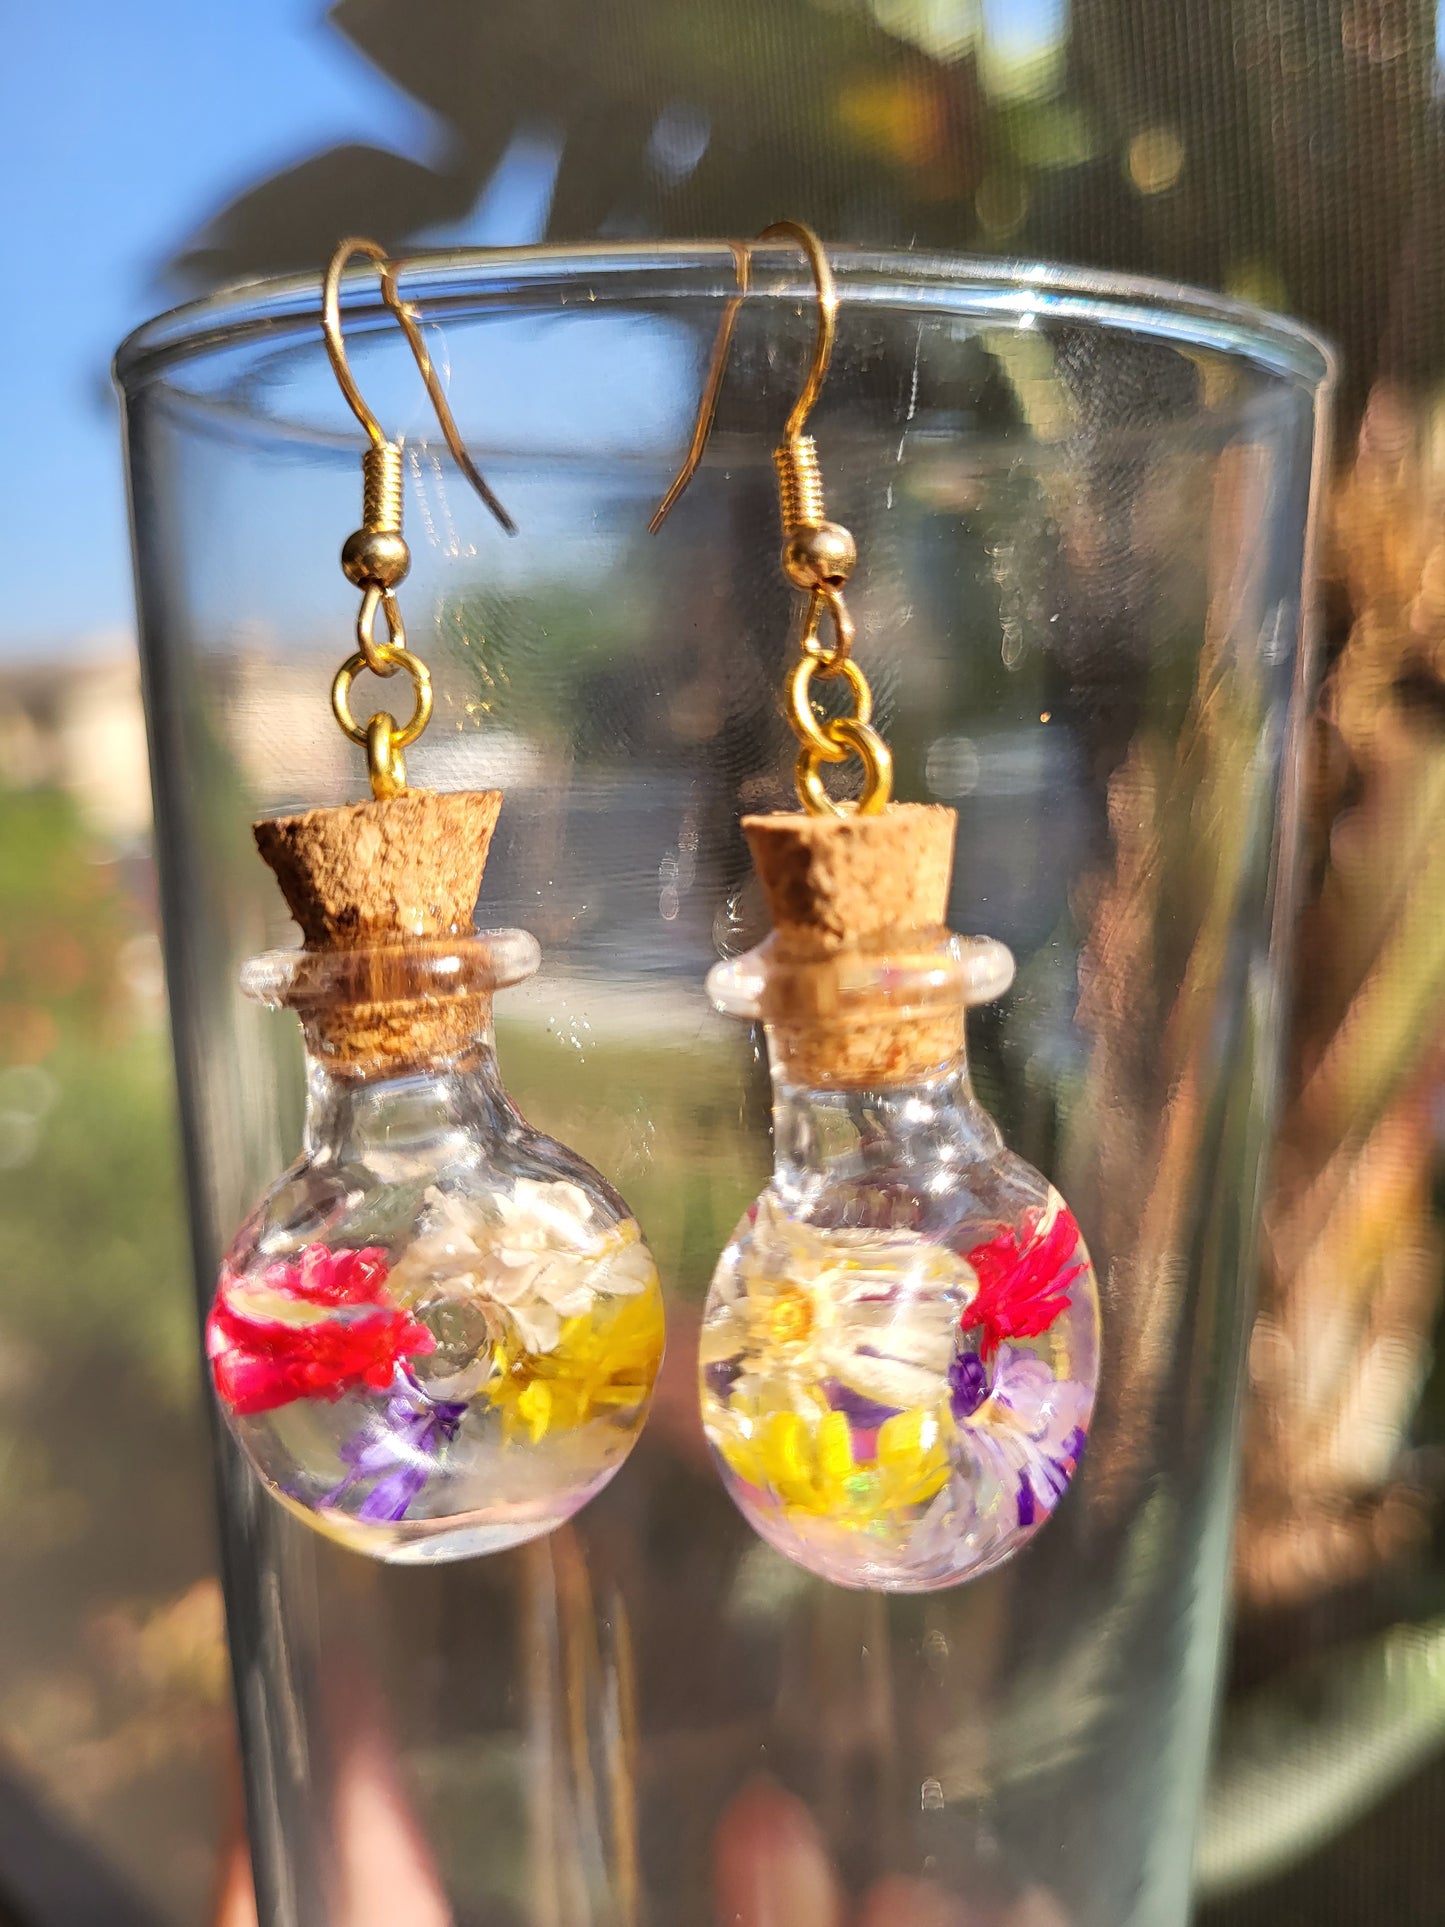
x: 900, y: 1349
x: 437, y: 1333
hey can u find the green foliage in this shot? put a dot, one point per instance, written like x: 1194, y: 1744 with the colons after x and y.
x: 62, y: 925
x: 96, y: 1270
x: 674, y: 1128
x: 91, y: 1240
x: 554, y: 662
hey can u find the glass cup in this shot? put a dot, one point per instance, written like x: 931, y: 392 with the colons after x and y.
x: 1083, y: 509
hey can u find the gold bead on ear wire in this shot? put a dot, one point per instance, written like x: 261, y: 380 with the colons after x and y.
x: 818, y: 556
x: 375, y: 557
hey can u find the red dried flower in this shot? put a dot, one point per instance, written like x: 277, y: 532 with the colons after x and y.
x: 356, y: 1338
x: 1023, y: 1285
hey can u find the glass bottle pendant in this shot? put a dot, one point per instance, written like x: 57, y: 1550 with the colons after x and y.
x: 900, y: 1348
x: 437, y: 1333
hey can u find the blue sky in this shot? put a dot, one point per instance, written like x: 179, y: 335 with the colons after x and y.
x: 127, y: 127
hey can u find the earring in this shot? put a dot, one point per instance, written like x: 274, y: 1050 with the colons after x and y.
x: 900, y: 1348
x: 437, y: 1333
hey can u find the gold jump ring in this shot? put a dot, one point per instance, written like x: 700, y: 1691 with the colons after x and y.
x: 806, y: 726
x: 852, y: 738
x: 421, y: 713
x: 384, y: 759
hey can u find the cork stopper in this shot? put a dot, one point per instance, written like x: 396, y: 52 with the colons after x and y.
x: 380, y: 873
x: 375, y: 878
x: 841, y: 887
x: 832, y: 881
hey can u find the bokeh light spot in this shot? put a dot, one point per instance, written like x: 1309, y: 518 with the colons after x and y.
x: 1156, y: 159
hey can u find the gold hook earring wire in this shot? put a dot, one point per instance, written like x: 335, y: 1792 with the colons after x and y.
x: 827, y: 290
x: 375, y: 557
x: 331, y: 330
x: 712, y: 387
x: 818, y: 555
x: 817, y: 369
x: 406, y: 317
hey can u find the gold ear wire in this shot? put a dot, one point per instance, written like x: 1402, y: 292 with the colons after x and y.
x: 331, y: 330
x: 375, y: 557
x: 406, y: 317
x: 712, y: 388
x: 717, y: 367
x: 827, y: 320
x: 818, y: 555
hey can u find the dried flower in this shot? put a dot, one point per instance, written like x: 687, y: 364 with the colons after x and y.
x: 855, y: 1374
x: 868, y: 1315
x: 968, y: 1385
x: 533, y: 1258
x: 319, y: 1325
x: 399, y: 1451
x: 1023, y: 1283
x: 600, y: 1365
x: 1026, y: 1440
x: 816, y: 1466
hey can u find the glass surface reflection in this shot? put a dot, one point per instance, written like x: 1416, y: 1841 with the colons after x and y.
x: 1084, y: 507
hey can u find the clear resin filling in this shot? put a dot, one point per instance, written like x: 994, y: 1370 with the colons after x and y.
x: 437, y: 1334
x: 900, y: 1348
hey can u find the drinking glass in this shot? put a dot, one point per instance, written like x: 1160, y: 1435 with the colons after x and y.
x: 1083, y: 510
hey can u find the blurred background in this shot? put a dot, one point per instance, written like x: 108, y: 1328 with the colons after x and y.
x: 1288, y: 151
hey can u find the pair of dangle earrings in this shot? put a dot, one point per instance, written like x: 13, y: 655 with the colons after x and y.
x: 437, y: 1335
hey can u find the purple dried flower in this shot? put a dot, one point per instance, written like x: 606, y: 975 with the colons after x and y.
x: 1046, y: 1481
x: 968, y: 1384
x: 721, y: 1376
x: 864, y: 1414
x: 399, y: 1455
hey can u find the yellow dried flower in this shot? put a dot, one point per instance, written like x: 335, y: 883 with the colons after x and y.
x: 604, y: 1362
x: 808, y: 1461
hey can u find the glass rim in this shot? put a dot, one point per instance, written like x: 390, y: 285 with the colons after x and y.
x: 427, y: 968
x: 1004, y: 290
x: 933, y: 972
